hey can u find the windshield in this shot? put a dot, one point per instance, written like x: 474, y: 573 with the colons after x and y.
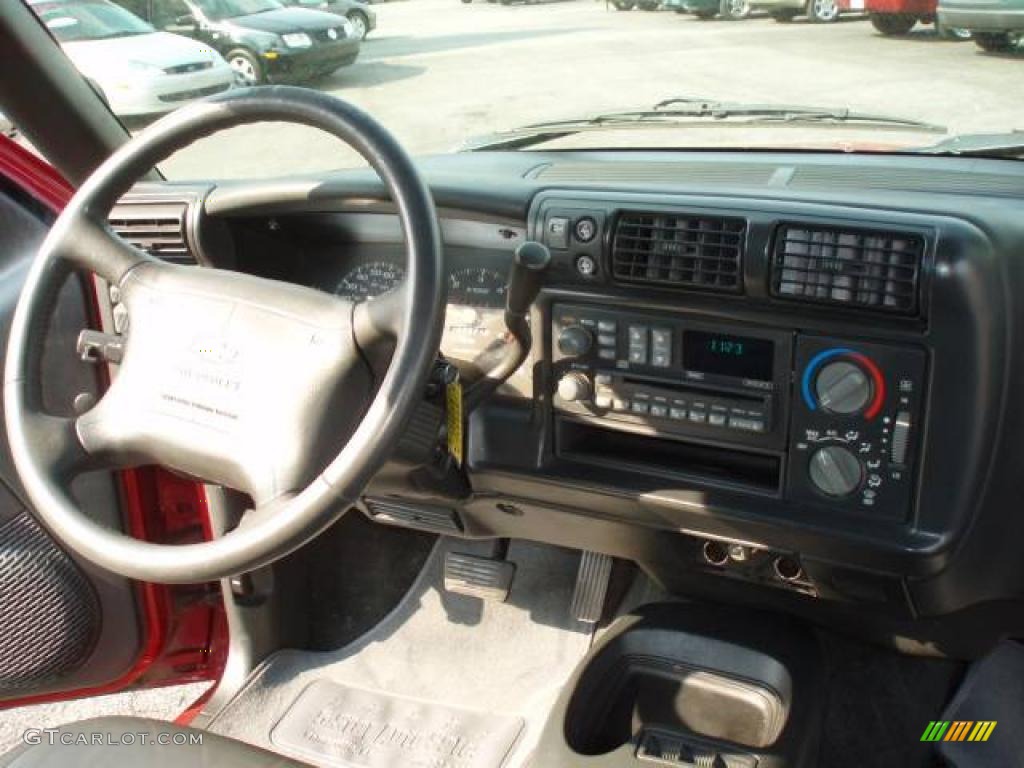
x: 229, y: 9
x: 71, y: 22
x: 851, y: 76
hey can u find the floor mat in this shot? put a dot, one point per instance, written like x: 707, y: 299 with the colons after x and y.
x: 348, y: 726
x: 508, y: 659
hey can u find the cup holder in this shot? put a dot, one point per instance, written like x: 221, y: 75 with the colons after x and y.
x: 686, y: 685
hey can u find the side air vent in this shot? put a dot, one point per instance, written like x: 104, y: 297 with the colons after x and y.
x: 678, y: 250
x: 158, y: 228
x: 870, y: 269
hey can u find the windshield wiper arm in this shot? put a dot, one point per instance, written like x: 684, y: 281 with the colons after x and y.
x: 1010, y: 145
x: 678, y: 111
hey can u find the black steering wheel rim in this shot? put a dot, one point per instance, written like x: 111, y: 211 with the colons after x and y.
x: 290, y: 521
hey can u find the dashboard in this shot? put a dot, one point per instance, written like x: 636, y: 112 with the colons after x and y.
x: 776, y: 379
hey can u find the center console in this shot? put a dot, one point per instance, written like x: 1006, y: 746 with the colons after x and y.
x: 824, y: 422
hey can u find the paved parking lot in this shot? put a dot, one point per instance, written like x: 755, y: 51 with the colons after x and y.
x: 438, y: 71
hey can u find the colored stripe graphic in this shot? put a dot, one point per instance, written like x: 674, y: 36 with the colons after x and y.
x: 958, y: 730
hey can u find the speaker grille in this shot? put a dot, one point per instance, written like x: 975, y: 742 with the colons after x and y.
x: 49, y: 613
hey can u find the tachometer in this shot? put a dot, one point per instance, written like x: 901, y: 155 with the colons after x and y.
x: 367, y: 281
x: 477, y: 287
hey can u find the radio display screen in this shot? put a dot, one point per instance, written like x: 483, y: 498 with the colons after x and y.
x: 724, y: 355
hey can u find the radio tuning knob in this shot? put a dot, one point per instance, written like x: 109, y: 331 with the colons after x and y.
x: 575, y: 341
x: 835, y: 471
x: 574, y: 387
x: 842, y: 387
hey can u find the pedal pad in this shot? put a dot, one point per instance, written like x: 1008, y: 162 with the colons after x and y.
x: 591, y: 587
x: 488, y: 578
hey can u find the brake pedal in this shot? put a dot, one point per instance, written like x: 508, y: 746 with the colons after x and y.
x: 489, y: 578
x: 591, y: 587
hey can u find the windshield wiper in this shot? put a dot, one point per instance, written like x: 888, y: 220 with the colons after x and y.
x: 679, y: 111
x: 1005, y: 145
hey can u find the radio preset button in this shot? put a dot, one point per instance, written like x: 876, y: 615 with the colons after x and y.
x: 679, y: 414
x: 699, y: 417
x: 620, y: 405
x: 660, y: 411
x: 606, y: 326
x: 749, y: 425
x: 638, y: 355
x: 606, y: 354
x: 640, y: 407
x: 660, y: 359
x: 606, y: 339
x: 716, y: 419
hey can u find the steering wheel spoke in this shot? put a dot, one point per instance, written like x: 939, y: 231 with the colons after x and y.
x: 58, y: 446
x: 89, y: 244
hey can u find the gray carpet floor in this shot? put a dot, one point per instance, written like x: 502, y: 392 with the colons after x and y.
x: 510, y: 659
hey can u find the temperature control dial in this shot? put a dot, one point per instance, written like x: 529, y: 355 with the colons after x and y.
x: 835, y: 471
x: 843, y: 382
x: 842, y: 387
x: 575, y: 341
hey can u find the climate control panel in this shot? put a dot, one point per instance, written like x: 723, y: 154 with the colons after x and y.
x: 854, y: 425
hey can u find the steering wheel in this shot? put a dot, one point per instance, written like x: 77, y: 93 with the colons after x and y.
x: 242, y: 381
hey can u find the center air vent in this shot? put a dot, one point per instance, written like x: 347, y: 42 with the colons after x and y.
x: 157, y: 228
x: 870, y: 269
x: 678, y: 250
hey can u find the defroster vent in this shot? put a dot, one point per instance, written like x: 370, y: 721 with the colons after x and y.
x: 861, y: 268
x: 157, y: 228
x: 678, y: 250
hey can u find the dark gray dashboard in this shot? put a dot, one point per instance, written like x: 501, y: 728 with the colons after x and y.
x: 605, y: 471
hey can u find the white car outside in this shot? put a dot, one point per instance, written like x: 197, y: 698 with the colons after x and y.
x: 140, y: 71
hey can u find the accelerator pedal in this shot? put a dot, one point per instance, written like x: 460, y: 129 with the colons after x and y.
x: 489, y: 578
x: 591, y: 587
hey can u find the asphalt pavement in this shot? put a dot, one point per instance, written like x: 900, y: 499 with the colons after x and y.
x: 437, y: 72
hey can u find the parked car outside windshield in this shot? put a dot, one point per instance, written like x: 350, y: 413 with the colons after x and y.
x: 137, y: 69
x: 262, y: 40
x: 363, y: 18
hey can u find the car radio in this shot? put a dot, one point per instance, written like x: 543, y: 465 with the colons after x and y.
x: 840, y: 417
x: 672, y: 375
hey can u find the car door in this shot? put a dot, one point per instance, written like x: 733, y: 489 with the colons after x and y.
x: 67, y: 628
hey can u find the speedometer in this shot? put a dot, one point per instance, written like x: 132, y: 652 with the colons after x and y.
x: 367, y: 281
x: 477, y: 287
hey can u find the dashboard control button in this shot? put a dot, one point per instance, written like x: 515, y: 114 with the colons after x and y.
x: 585, y: 229
x: 558, y: 232
x: 607, y: 326
x: 835, y: 471
x: 606, y: 354
x: 716, y: 419
x: 749, y: 425
x: 638, y: 335
x: 620, y: 405
x: 638, y: 355
x: 660, y: 359
x: 586, y: 265
x: 699, y: 417
x: 602, y: 379
x: 603, y: 401
x: 575, y: 341
x: 574, y: 387
x: 677, y: 413
x: 606, y: 339
x: 900, y: 439
x: 842, y: 387
x: 639, y: 406
x: 660, y: 411
x: 661, y: 339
